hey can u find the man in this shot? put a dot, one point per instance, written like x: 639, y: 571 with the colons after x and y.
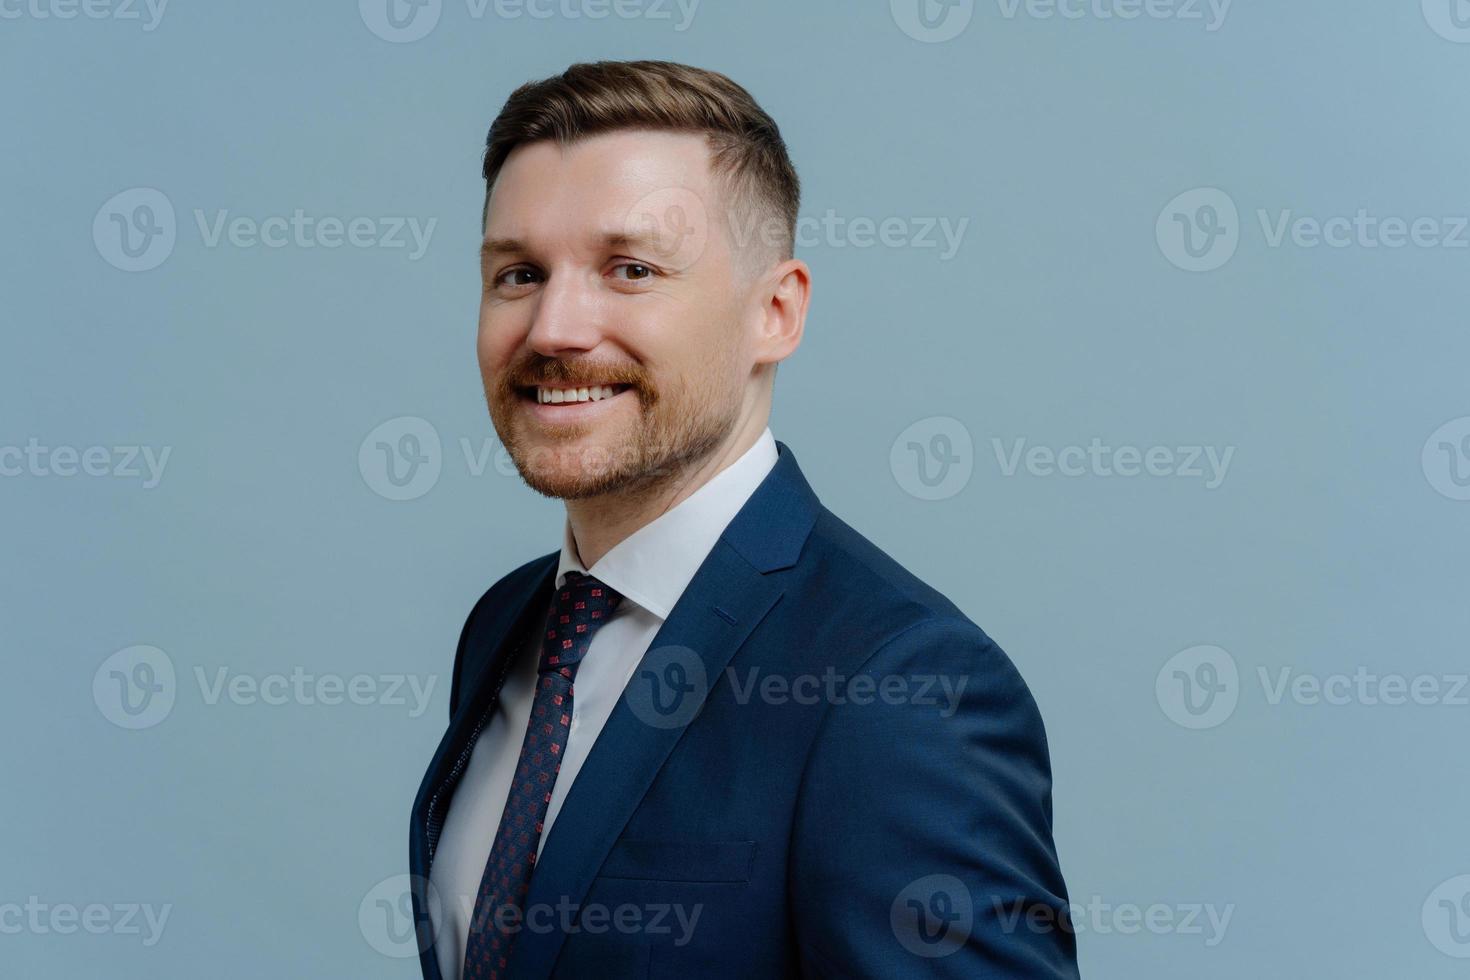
x: 719, y: 733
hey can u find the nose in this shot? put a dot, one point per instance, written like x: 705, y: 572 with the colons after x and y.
x: 568, y: 317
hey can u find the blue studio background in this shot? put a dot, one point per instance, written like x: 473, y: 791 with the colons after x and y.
x: 1139, y: 330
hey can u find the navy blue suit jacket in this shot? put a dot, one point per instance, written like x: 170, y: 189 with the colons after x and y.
x: 759, y: 804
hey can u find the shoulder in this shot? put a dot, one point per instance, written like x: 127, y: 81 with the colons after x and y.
x: 884, y: 606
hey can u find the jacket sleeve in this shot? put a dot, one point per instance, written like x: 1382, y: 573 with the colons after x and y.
x: 922, y: 842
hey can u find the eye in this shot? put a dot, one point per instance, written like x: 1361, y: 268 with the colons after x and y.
x: 517, y: 277
x: 635, y: 271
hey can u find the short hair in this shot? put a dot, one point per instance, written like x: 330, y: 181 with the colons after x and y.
x: 748, y: 155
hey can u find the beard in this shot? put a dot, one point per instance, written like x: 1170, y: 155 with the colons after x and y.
x: 677, y: 426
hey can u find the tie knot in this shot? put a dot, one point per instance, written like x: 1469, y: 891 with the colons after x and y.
x: 579, y: 609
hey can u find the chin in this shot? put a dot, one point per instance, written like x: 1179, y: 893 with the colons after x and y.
x: 570, y: 469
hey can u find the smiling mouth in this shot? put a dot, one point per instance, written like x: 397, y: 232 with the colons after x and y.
x: 564, y: 395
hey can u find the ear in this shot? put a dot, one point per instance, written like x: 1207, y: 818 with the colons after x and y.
x: 784, y: 296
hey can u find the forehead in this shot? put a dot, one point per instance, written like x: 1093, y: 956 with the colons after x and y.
x: 547, y: 192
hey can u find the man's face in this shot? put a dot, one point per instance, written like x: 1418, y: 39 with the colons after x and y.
x: 606, y: 263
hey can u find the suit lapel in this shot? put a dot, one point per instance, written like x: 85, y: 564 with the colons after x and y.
x: 494, y: 641
x: 722, y: 604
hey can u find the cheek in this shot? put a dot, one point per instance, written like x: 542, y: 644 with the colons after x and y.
x: 496, y: 339
x: 717, y: 340
x: 688, y: 338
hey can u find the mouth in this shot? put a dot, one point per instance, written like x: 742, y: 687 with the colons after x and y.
x: 553, y: 402
x: 562, y: 395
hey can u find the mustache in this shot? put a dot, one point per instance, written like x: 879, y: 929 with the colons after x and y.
x: 579, y: 375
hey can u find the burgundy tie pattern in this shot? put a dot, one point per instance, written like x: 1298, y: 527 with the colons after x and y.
x: 580, y: 608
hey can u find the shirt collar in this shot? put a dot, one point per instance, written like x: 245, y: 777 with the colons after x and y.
x: 653, y: 565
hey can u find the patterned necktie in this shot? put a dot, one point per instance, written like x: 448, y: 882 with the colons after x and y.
x: 581, y: 607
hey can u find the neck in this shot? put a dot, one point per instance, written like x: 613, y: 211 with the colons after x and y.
x: 600, y: 523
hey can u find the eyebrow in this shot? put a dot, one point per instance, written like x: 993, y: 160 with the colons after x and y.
x: 491, y: 247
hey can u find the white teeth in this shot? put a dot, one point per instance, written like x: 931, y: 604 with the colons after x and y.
x: 554, y: 396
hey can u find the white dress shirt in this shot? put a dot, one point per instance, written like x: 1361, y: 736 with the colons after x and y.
x: 651, y: 568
